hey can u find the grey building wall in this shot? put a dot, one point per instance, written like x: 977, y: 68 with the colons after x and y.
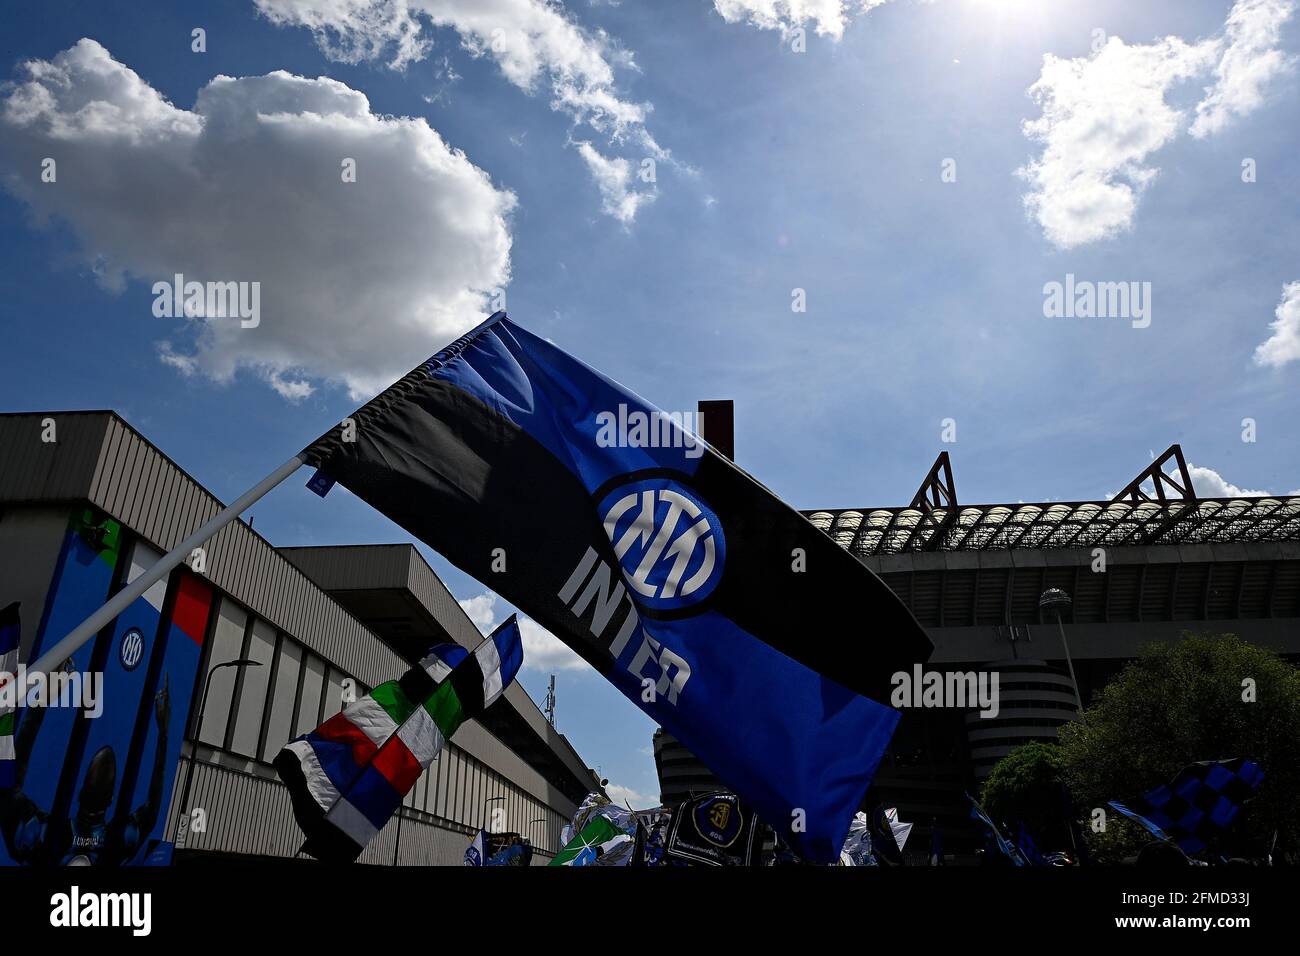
x: 32, y: 536
x: 99, y: 459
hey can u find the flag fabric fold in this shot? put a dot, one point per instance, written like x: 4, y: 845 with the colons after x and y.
x: 1140, y: 820
x: 733, y: 622
x: 349, y: 776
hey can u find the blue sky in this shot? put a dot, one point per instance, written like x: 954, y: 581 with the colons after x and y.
x: 775, y: 171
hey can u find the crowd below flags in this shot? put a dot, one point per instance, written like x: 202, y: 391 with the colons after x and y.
x: 717, y: 829
x: 709, y: 829
x: 499, y: 849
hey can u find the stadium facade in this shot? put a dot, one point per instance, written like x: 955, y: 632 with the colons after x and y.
x: 1153, y: 563
x: 278, y: 639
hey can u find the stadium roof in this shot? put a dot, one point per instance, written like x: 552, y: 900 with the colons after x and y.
x: 1155, y: 508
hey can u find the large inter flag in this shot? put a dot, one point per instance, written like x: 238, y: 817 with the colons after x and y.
x: 347, y: 777
x: 740, y: 628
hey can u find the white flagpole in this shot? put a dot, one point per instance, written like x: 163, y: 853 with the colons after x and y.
x: 56, y: 655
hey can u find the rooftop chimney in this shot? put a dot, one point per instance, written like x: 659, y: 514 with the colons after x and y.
x: 718, y: 425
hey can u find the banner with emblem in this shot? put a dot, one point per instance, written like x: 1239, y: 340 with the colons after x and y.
x: 44, y: 735
x: 736, y: 625
x: 714, y: 829
x: 92, y: 784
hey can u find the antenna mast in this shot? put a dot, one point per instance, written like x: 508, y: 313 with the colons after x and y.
x: 550, y: 703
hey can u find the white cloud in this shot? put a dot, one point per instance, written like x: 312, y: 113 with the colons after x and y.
x: 1283, y: 345
x: 1210, y: 484
x: 627, y: 797
x: 826, y: 17
x: 1249, y: 64
x: 481, y: 610
x: 358, y: 281
x: 531, y: 41
x: 613, y: 176
x: 1104, y: 115
x: 543, y: 651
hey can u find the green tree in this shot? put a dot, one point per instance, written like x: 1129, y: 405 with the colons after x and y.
x: 1183, y: 702
x: 1026, y: 786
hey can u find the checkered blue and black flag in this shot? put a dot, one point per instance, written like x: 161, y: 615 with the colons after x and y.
x: 1200, y: 802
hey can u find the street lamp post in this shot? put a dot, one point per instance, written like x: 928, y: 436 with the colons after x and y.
x: 531, y: 822
x: 1054, y: 599
x: 183, y: 824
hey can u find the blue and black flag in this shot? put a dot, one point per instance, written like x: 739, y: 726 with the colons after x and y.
x: 1028, y: 846
x: 993, y: 838
x: 1200, y: 803
x: 727, y: 617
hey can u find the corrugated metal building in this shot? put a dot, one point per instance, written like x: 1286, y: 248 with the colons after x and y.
x: 323, y: 623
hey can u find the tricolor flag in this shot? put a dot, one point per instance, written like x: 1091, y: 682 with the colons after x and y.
x: 9, y: 633
x: 349, y: 776
x: 734, y: 623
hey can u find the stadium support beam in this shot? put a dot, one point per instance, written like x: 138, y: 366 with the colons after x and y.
x: 937, y: 490
x: 1167, y: 486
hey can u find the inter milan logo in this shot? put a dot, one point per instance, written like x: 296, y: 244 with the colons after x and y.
x: 719, y: 820
x: 131, y: 650
x: 668, y: 541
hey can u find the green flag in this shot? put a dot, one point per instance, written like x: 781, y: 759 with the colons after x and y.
x: 599, y: 836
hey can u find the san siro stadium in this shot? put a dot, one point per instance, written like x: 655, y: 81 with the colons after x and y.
x: 1007, y: 587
